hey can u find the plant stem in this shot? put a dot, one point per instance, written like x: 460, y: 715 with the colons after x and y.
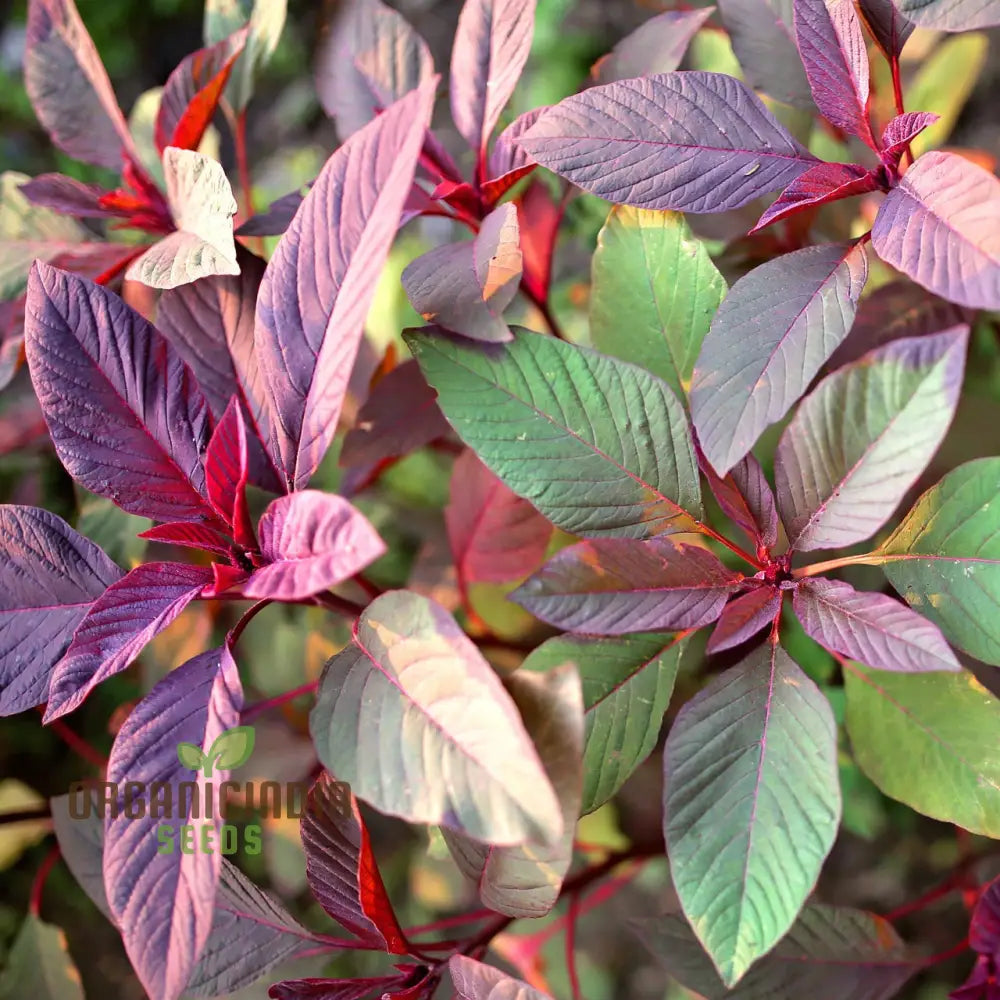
x: 25, y: 815
x: 570, y: 942
x: 78, y: 744
x: 243, y: 163
x: 704, y: 529
x: 897, y: 94
x: 258, y: 708
x: 816, y: 569
x: 248, y: 616
x: 341, y: 605
x: 944, y: 956
x: 38, y: 884
x: 542, y: 306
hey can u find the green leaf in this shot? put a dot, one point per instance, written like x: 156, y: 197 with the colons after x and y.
x: 232, y: 748
x: 599, y: 446
x: 751, y: 806
x: 944, y: 557
x: 266, y: 19
x: 39, y: 966
x: 831, y: 953
x: 113, y: 529
x: 191, y: 756
x: 627, y: 685
x: 943, y: 85
x: 413, y: 718
x: 525, y: 881
x: 929, y: 740
x: 654, y: 292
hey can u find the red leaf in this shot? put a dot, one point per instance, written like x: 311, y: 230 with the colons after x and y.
x: 538, y: 217
x: 226, y: 472
x: 743, y: 617
x: 745, y: 496
x: 508, y: 162
x: 189, y: 535
x: 342, y: 872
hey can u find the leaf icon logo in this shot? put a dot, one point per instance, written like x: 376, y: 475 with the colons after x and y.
x: 230, y: 749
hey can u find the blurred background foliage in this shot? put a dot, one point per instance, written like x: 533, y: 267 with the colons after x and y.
x: 886, y: 854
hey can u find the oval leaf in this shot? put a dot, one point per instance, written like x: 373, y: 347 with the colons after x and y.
x: 39, y: 965
x: 752, y: 805
x: 656, y: 46
x: 475, y: 981
x: 952, y: 15
x: 440, y: 739
x: 743, y: 617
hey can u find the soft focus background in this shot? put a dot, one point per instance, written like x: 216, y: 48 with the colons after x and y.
x: 886, y: 854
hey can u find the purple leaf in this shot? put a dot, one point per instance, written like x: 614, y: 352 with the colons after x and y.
x: 495, y: 535
x: 49, y: 578
x: 341, y: 868
x: 764, y: 43
x: 66, y: 195
x: 118, y: 626
x: 873, y: 628
x: 745, y: 496
x: 400, y: 415
x: 984, y: 931
x: 313, y: 540
x: 368, y: 59
x: 226, y: 473
x: 887, y: 26
x: 126, y: 417
x: 210, y: 323
x: 838, y: 482
x: 491, y: 46
x: 337, y: 989
x: 819, y: 185
x: 771, y: 335
x: 194, y: 704
x: 321, y: 279
x: 952, y: 15
x: 941, y: 227
x: 656, y: 46
x: 898, y: 134
x: 611, y: 586
x: 833, y: 51
x: 743, y: 617
x: 508, y: 162
x: 695, y: 142
x: 190, y: 535
x: 192, y: 93
x: 69, y: 87
x: 465, y: 287
x: 440, y: 741
x: 475, y: 981
x: 899, y: 309
x: 276, y: 219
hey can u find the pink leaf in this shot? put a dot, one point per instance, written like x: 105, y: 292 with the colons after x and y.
x: 743, y: 617
x: 819, y: 185
x: 656, y: 46
x: 745, y: 496
x: 226, y: 473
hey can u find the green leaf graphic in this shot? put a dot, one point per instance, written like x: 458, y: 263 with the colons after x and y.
x: 230, y: 749
x: 190, y: 756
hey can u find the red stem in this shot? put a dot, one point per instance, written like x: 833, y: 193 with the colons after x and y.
x: 38, y: 885
x: 258, y: 708
x: 78, y: 744
x: 242, y: 163
x: 341, y: 605
x: 249, y: 615
x: 573, y: 913
x: 897, y: 95
x: 944, y: 956
x: 543, y: 307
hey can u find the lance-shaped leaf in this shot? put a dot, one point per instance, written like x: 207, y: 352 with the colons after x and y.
x: 117, y: 627
x: 192, y: 93
x: 65, y: 194
x: 508, y: 162
x: 763, y: 39
x: 830, y: 953
x: 193, y: 704
x: 872, y: 628
x: 886, y: 25
x: 525, y: 881
x: 941, y: 227
x: 313, y: 540
x: 650, y: 268
x: 769, y: 338
x: 465, y: 287
x: 744, y: 617
x: 362, y: 988
x: 491, y: 46
x: 746, y: 497
x: 611, y: 586
x: 832, y: 46
x: 819, y: 185
x: 69, y: 87
x: 863, y: 436
x: 441, y: 740
x: 627, y: 684
x: 751, y: 805
x: 203, y: 207
x: 899, y: 309
x: 600, y: 447
x: 39, y: 965
x: 369, y: 57
x: 694, y: 142
x: 226, y: 472
x: 928, y: 740
x: 321, y: 279
x: 276, y: 219
x: 190, y: 535
x: 124, y: 413
x: 475, y: 981
x: 944, y: 557
x: 49, y: 578
x: 656, y: 46
x: 952, y: 15
x: 341, y: 868
x: 400, y: 415
x: 898, y: 133
x: 495, y: 535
